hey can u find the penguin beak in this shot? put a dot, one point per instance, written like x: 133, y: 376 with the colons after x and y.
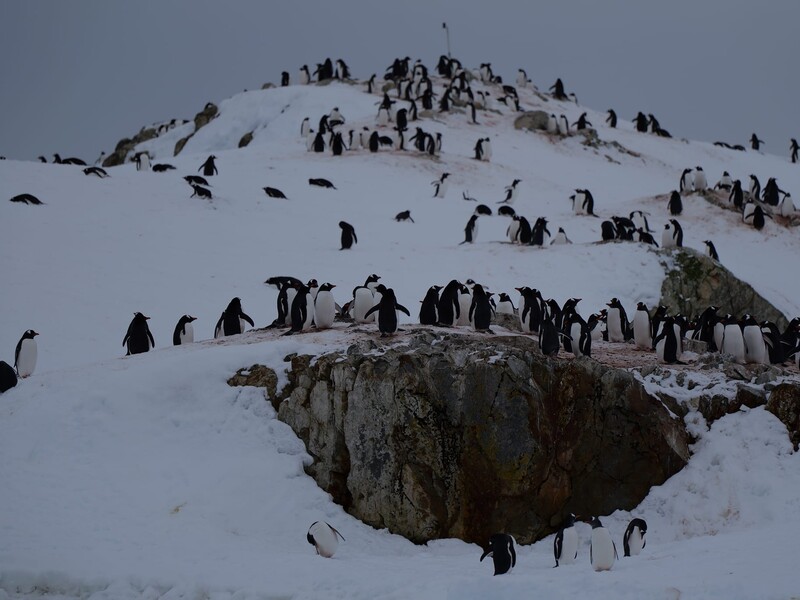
x: 35, y: 334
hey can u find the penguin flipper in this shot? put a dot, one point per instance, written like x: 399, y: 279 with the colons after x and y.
x: 247, y: 318
x: 336, y: 531
x: 372, y: 310
x: 152, y: 341
x: 402, y: 308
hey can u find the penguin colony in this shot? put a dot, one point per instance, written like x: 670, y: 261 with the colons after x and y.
x: 472, y: 304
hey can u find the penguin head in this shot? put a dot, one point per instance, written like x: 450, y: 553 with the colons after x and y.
x: 139, y: 317
x: 372, y: 279
x: 312, y: 283
x: 29, y: 335
x: 234, y: 305
x: 326, y: 287
x: 188, y: 318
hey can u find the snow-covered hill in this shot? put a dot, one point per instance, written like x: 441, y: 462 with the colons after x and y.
x: 149, y: 477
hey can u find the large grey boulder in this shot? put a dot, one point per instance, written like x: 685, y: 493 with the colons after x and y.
x: 533, y: 120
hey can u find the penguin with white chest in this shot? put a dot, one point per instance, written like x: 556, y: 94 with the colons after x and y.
x: 642, y: 328
x: 324, y: 307
x: 25, y: 354
x: 617, y: 322
x: 602, y: 551
x: 733, y: 340
x: 184, y: 331
x: 755, y: 349
x: 387, y: 309
x: 668, y: 342
x: 501, y: 549
x: 565, y: 544
x: 633, y: 541
x: 232, y: 320
x: 138, y: 337
x: 324, y: 538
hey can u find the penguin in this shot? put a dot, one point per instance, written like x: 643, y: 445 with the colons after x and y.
x: 201, y: 192
x: 565, y: 544
x: 624, y: 228
x: 672, y: 236
x: 142, y: 160
x: 771, y: 193
x: 353, y: 140
x: 427, y: 312
x: 522, y: 78
x: 274, y: 192
x: 755, y: 349
x: 184, y: 331
x: 668, y: 342
x: 335, y: 118
x: 794, y: 148
x: 387, y: 309
x: 196, y: 180
x: 552, y: 124
x: 479, y: 149
x: 472, y: 116
x: 448, y: 308
x: 318, y: 144
x: 232, y: 320
x: 755, y: 187
x: 639, y: 219
x: 324, y: 538
x: 725, y: 182
x: 284, y: 78
x: 348, y: 235
x: 301, y: 312
x: 560, y: 238
x: 675, y: 204
x: 633, y: 541
x: 471, y: 230
x: 525, y: 231
x: 641, y: 122
x: 8, y: 378
x: 582, y: 122
x: 504, y: 305
x: 602, y: 551
x: 530, y: 315
x: 337, y: 144
x: 611, y: 119
x: 558, y: 90
x: 404, y: 216
x: 68, y: 161
x: 305, y: 76
x: 700, y: 181
x: 501, y: 549
x: 482, y: 209
x: 96, y: 171
x: 363, y: 301
x: 786, y: 206
x: 755, y: 143
x: 687, y: 182
x: 208, y: 167
x: 733, y: 340
x: 548, y: 334
x: 758, y: 218
x: 513, y: 229
x: 578, y: 336
x: 342, y: 70
x: 538, y: 231
x: 563, y: 125
x: 719, y: 331
x: 324, y: 307
x: 440, y: 186
x: 642, y: 327
x: 582, y: 202
x: 25, y: 354
x: 711, y: 250
x: 480, y: 310
x: 737, y: 195
x: 26, y: 199
x: 646, y: 238
x: 138, y: 337
x: 511, y: 192
x: 617, y: 321
x: 608, y: 231
x: 772, y: 339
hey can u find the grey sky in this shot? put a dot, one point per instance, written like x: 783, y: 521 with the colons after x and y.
x: 77, y: 76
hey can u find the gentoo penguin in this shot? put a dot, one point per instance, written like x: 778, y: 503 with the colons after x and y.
x: 324, y: 538
x: 617, y: 322
x: 582, y: 202
x: 563, y: 125
x: 324, y: 307
x: 668, y: 342
x: 548, y: 333
x: 672, y: 236
x: 449, y: 309
x: 755, y: 350
x: 538, y: 231
x: 582, y: 122
x: 471, y: 230
x: 522, y: 78
x: 700, y: 182
x: 737, y: 195
x: 284, y: 78
x: 512, y: 232
x: 440, y: 186
x: 427, y: 312
x: 552, y: 124
x: 786, y: 206
x: 482, y: 209
x: 755, y: 143
x: 704, y: 327
x: 725, y: 182
x: 646, y: 238
x: 607, y: 231
x: 733, y: 340
x: 511, y: 192
x: 558, y: 90
x: 642, y: 328
x: 305, y: 76
x: 504, y: 305
x: 363, y: 301
x: 579, y: 340
x: 232, y: 320
x: 479, y: 149
x: 755, y: 187
x: 531, y: 311
x: 602, y: 551
x: 480, y: 311
x: 633, y: 541
x: 208, y: 167
x: 772, y: 339
x: 711, y: 250
x: 138, y: 337
x: 718, y: 332
x: 25, y: 354
x: 560, y: 238
x: 348, y: 235
x: 274, y: 192
x: 757, y: 218
x: 687, y: 182
x: 639, y: 219
x: 611, y: 119
x: 8, y: 378
x: 565, y: 544
x: 501, y: 549
x: 301, y: 312
x: 184, y: 331
x: 675, y: 204
x: 200, y: 192
x: 403, y: 216
x: 337, y: 144
x: 794, y: 147
x: 641, y: 122
x: 96, y: 171
x: 387, y: 309
x: 142, y: 160
x: 464, y: 302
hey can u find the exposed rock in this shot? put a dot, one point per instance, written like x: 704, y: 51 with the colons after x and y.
x: 203, y: 118
x: 257, y: 376
x: 181, y: 143
x: 441, y: 436
x: 696, y: 281
x: 246, y: 139
x: 126, y: 145
x: 532, y: 120
x: 784, y: 403
x: 268, y: 86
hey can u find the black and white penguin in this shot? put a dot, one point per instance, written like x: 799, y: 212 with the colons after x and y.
x: 274, y: 192
x: 700, y: 181
x: 511, y: 192
x: 675, y: 204
x: 711, y: 250
x: 138, y: 337
x: 387, y: 309
x: 162, y: 168
x: 25, y: 354
x: 755, y: 187
x: 611, y: 119
x: 200, y: 192
x: 440, y: 186
x: 538, y: 232
x: 582, y: 202
x: 755, y: 143
x: 563, y: 125
x: 687, y: 182
x: 608, y: 231
x: 284, y: 78
x: 737, y: 195
x: 427, y: 312
x: 672, y: 236
x: 582, y: 122
x: 337, y: 144
x: 480, y: 310
x: 530, y: 309
x: 578, y: 335
x: 482, y: 209
x: 633, y: 541
x: 363, y: 300
x: 602, y: 551
x: 471, y: 230
x: 403, y: 216
x: 560, y: 238
x: 184, y: 331
x: 305, y: 76
x: 772, y: 338
x: 794, y: 148
x: 617, y: 322
x: 301, y: 311
x: 348, y: 235
x: 733, y: 339
x: 8, y: 378
x: 96, y: 171
x: 704, y: 327
x: 646, y: 238
x: 324, y: 307
x: 725, y: 182
x: 501, y: 549
x: 479, y: 149
x: 552, y: 124
x: 565, y: 544
x: 549, y: 342
x: 142, y: 160
x: 208, y: 167
x: 642, y: 327
x: 668, y: 342
x: 641, y: 122
x: 232, y: 320
x: 755, y: 349
x: 505, y: 306
x: 786, y: 206
x: 449, y: 308
x: 324, y: 538
x: 639, y: 219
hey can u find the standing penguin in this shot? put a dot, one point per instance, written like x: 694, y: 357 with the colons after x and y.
x: 565, y: 544
x: 794, y: 148
x: 184, y: 331
x: 8, y: 378
x: 427, y: 312
x: 480, y: 311
x: 471, y: 230
x: 700, y: 181
x: 479, y: 149
x: 711, y: 250
x: 672, y: 236
x: 603, y: 551
x: 305, y: 76
x: 511, y: 193
x: 611, y: 119
x: 633, y: 541
x: 302, y: 309
x: 538, y: 231
x: 348, y: 235
x: 25, y: 354
x: 387, y: 310
x: 501, y: 549
x: 642, y: 328
x: 755, y: 187
x: 617, y: 321
x: 504, y: 305
x: 668, y: 342
x: 324, y: 307
x: 138, y: 337
x: 449, y: 308
x: 208, y: 167
x: 440, y: 186
x: 772, y: 339
x: 324, y: 538
x: 737, y: 195
x: 561, y: 238
x: 755, y: 350
x: 232, y: 319
x: 675, y: 205
x: 687, y: 182
x: 755, y: 143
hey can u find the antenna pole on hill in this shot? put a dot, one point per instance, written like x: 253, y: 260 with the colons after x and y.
x: 447, y: 34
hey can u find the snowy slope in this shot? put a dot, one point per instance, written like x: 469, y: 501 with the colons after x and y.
x: 150, y: 475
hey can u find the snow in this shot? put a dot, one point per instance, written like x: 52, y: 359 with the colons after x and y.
x: 149, y: 477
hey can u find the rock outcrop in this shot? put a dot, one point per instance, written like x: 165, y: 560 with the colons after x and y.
x: 126, y: 145
x: 201, y: 119
x: 444, y: 435
x: 533, y: 120
x: 784, y: 403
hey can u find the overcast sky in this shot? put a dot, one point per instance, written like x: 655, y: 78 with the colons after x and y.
x: 79, y: 75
